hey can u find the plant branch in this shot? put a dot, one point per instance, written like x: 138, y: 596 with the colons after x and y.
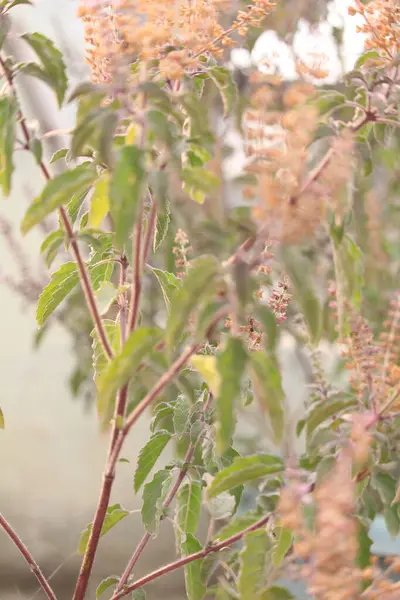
x: 44, y: 584
x: 147, y: 536
x: 181, y: 562
x: 83, y: 275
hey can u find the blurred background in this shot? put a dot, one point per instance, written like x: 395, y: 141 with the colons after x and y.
x: 51, y: 451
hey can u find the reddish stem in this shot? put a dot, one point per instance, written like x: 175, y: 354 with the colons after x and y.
x: 44, y: 584
x: 181, y: 562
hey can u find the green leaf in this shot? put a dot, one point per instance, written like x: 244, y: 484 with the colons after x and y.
x: 181, y: 415
x: 276, y: 593
x: 370, y: 54
x: 222, y: 506
x: 126, y: 189
x: 188, y: 507
x: 99, y: 205
x: 269, y: 324
x: 57, y: 192
x: 239, y: 523
x: 364, y: 548
x: 105, y: 295
x: 231, y: 364
x: 162, y: 226
x: 8, y: 122
x: 100, y: 360
x: 207, y: 367
x: 335, y: 406
x: 195, y: 588
x: 148, y: 456
x: 284, y: 542
x: 36, y: 147
x: 253, y: 564
x: 195, y: 286
x: 62, y: 282
x: 114, y: 515
x: 222, y: 78
x: 2, y: 425
x: 309, y: 304
x: 267, y: 386
x: 154, y: 494
x: 139, y: 594
x: 169, y: 285
x: 52, y: 62
x: 58, y: 154
x: 244, y: 469
x: 138, y: 345
x: 105, y: 585
x: 51, y: 244
x: 163, y: 411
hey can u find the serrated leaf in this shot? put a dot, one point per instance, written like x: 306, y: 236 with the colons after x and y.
x: 162, y: 226
x: 253, y: 564
x: 2, y: 425
x: 188, y: 507
x: 51, y: 244
x: 231, y: 363
x: 335, y: 406
x: 222, y: 506
x: 52, y: 62
x: 154, y: 494
x: 122, y: 367
x: 100, y: 360
x: 148, y: 456
x: 105, y: 585
x: 169, y: 285
x: 267, y: 386
x: 99, y: 204
x: 57, y: 192
x: 8, y: 122
x: 201, y: 275
x: 114, y: 515
x: 62, y: 282
x: 181, y: 415
x: 276, y: 593
x: 126, y: 188
x: 243, y: 470
x: 195, y: 587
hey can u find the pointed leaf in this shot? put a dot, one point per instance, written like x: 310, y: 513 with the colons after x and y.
x: 126, y: 188
x: 169, y: 285
x: 122, y: 367
x: 195, y: 286
x: 57, y: 192
x: 58, y: 154
x: 105, y: 585
x: 284, y: 542
x: 267, y: 386
x: 100, y: 360
x: 181, y: 416
x: 8, y: 122
x: 148, y: 456
x: 207, y: 367
x: 162, y: 226
x: 337, y: 405
x: 231, y: 364
x: 99, y: 202
x: 253, y: 564
x: 195, y: 588
x: 154, y: 494
x: 239, y: 523
x: 52, y: 62
x: 188, y: 507
x: 243, y: 470
x: 62, y: 282
x: 114, y: 515
x: 105, y: 296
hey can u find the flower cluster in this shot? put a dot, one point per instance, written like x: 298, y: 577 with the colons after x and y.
x: 177, y: 35
x: 381, y: 25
